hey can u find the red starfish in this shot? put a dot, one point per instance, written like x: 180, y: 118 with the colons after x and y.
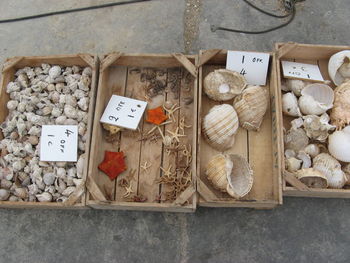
x: 156, y: 115
x: 113, y: 164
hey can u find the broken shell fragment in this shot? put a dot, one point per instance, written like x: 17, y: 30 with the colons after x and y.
x: 4, y: 194
x: 305, y: 158
x: 220, y: 126
x: 223, y: 84
x: 295, y: 85
x: 312, y: 178
x: 339, y: 144
x: 251, y: 107
x: 44, y: 197
x: 293, y: 164
x: 317, y: 127
x: 290, y: 105
x: 316, y: 99
x: 340, y: 113
x: 296, y: 140
x: 231, y: 174
x: 312, y: 150
x: 339, y: 67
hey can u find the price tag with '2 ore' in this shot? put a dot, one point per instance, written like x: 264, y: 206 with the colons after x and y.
x: 253, y: 66
x: 123, y: 112
x: 59, y: 143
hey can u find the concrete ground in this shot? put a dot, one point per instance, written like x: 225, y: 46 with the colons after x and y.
x: 302, y: 230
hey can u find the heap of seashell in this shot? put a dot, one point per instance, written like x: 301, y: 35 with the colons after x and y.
x: 45, y: 95
x: 220, y: 125
x: 317, y: 145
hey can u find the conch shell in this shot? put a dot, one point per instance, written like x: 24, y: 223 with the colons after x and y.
x: 290, y: 105
x: 339, y: 67
x: 340, y: 114
x: 231, y: 174
x: 296, y: 139
x: 331, y: 168
x: 317, y: 128
x: 251, y: 107
x: 223, y: 84
x: 312, y: 178
x: 339, y: 144
x: 316, y: 99
x: 220, y: 126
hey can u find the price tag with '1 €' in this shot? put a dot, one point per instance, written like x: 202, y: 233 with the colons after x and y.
x: 123, y: 112
x: 59, y: 143
x: 303, y: 71
x: 253, y: 66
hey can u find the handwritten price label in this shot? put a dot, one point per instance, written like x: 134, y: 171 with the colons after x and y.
x: 253, y: 66
x: 123, y: 112
x: 59, y: 143
x: 303, y: 71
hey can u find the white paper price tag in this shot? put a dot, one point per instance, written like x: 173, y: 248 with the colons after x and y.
x: 303, y: 71
x: 253, y: 66
x: 123, y: 112
x: 59, y: 143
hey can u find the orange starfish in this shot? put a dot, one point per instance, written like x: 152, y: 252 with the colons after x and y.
x: 156, y: 115
x: 113, y: 164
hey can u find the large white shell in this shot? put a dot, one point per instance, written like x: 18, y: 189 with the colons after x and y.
x: 251, y: 107
x: 339, y: 144
x: 296, y: 139
x: 220, y: 126
x: 223, y: 84
x: 331, y: 168
x: 340, y: 114
x: 316, y: 99
x: 312, y: 178
x: 338, y: 67
x: 231, y: 174
x: 317, y: 127
x: 290, y: 105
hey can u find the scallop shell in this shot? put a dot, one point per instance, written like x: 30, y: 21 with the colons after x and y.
x: 231, y: 174
x: 220, y: 126
x: 340, y: 114
x: 339, y: 144
x: 296, y: 139
x: 316, y: 99
x: 223, y: 84
x: 251, y: 107
x: 330, y: 168
x: 312, y: 178
x: 339, y: 67
x: 290, y: 105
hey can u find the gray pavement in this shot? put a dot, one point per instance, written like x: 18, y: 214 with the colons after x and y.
x: 302, y: 230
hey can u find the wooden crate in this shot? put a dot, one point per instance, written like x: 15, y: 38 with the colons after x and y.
x: 259, y: 148
x: 311, y: 54
x: 121, y: 74
x: 77, y: 198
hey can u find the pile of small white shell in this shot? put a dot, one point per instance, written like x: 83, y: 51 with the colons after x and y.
x: 45, y: 95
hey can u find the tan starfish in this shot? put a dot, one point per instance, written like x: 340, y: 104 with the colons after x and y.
x: 157, y: 126
x: 128, y: 191
x: 171, y: 111
x: 146, y: 166
x: 183, y: 125
x: 187, y: 153
x: 176, y: 134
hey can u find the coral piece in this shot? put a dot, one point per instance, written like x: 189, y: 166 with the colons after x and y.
x: 113, y: 164
x: 156, y: 115
x: 340, y: 113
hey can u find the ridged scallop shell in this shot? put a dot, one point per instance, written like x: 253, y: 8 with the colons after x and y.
x: 251, y: 107
x: 330, y: 168
x: 231, y: 174
x: 220, y: 126
x: 223, y: 84
x: 316, y: 99
x: 339, y: 67
x: 340, y: 113
x: 312, y: 178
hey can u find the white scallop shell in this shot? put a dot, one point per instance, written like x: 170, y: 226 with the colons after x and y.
x: 251, y: 107
x: 220, y: 126
x: 338, y: 67
x: 339, y: 144
x: 223, y: 84
x: 231, y: 174
x: 312, y: 178
x: 316, y: 99
x: 290, y: 105
x: 331, y: 168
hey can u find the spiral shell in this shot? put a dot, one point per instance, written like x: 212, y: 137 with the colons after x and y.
x: 220, y: 126
x: 339, y: 67
x: 312, y: 178
x: 251, y: 107
x: 223, y: 84
x: 231, y: 174
x: 340, y: 114
x: 290, y: 105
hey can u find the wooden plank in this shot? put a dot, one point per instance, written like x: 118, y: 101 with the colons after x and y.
x: 109, y: 60
x: 207, y: 55
x: 112, y: 81
x: 291, y: 179
x: 11, y: 63
x: 186, y: 63
x: 151, y: 152
x: 130, y: 144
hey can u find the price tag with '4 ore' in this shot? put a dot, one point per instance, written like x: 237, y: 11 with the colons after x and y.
x: 123, y: 112
x: 59, y: 143
x: 253, y: 66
